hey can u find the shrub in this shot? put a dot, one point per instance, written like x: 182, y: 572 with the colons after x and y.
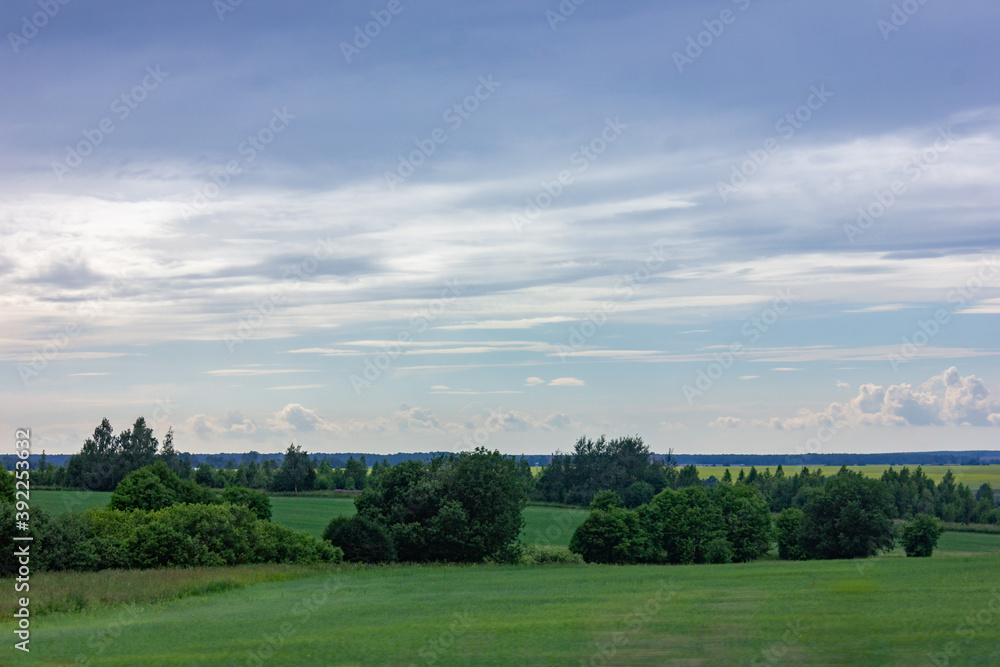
x: 718, y: 551
x: 787, y: 529
x: 258, y: 501
x: 611, y: 536
x: 6, y: 485
x: 536, y: 554
x: 361, y: 539
x: 920, y: 535
x: 155, y: 487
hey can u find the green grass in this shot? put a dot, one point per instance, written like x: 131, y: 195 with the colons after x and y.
x: 893, y: 611
x: 310, y: 514
x: 57, y: 502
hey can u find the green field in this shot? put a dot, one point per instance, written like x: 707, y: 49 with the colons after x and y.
x: 887, y: 610
x: 892, y: 611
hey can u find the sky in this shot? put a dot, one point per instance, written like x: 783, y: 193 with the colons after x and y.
x: 408, y: 225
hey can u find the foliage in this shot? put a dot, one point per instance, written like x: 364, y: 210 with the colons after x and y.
x: 154, y: 487
x: 296, y: 472
x: 787, y: 529
x: 602, y: 464
x: 106, y: 459
x: 639, y: 493
x: 747, y: 520
x: 850, y: 517
x: 182, y: 535
x: 362, y: 539
x: 610, y: 534
x: 718, y: 551
x: 537, y: 554
x: 461, y: 508
x: 258, y: 501
x: 920, y: 535
x: 6, y: 486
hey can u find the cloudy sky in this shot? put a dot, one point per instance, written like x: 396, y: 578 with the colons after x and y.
x: 409, y: 225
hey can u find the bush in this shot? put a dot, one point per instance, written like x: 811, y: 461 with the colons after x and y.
x: 718, y: 551
x: 611, y: 536
x: 258, y: 501
x: 6, y: 485
x: 920, y: 535
x: 536, y: 554
x: 788, y: 526
x: 155, y: 487
x: 361, y: 539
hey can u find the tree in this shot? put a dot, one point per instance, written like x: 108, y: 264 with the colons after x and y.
x: 6, y: 486
x: 920, y: 535
x: 848, y: 518
x: 154, y: 487
x: 167, y: 453
x: 466, y: 507
x: 747, y: 520
x: 727, y: 478
x: 683, y: 523
x: 787, y: 529
x: 357, y: 472
x: 362, y: 539
x: 607, y: 535
x: 296, y: 472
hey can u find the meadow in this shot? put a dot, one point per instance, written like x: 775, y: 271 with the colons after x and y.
x: 886, y: 610
x: 893, y: 611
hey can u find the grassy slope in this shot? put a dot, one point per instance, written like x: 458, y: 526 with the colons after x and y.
x: 890, y: 611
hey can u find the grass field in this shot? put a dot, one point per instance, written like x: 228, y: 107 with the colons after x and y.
x: 892, y: 611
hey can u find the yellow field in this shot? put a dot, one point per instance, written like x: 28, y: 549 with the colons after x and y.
x: 972, y: 476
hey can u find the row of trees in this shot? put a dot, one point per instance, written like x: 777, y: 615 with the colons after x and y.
x: 107, y: 458
x: 850, y: 516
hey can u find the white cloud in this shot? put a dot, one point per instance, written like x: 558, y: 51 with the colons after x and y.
x: 944, y: 400
x: 567, y: 382
x: 727, y: 422
x: 533, y: 382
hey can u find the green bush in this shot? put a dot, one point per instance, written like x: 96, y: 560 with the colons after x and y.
x: 361, y: 539
x: 638, y: 493
x: 6, y: 485
x: 258, y: 501
x: 685, y: 522
x: 787, y: 529
x: 536, y: 554
x: 609, y: 536
x: 718, y: 551
x: 746, y: 517
x: 155, y: 487
x: 920, y: 535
